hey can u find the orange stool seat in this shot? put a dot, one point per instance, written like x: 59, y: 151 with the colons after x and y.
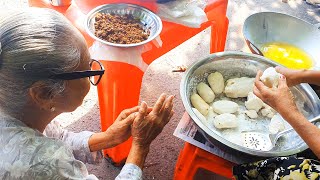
x: 192, y: 158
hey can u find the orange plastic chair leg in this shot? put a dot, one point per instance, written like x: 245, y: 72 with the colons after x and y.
x: 118, y: 89
x: 192, y: 158
x: 218, y: 36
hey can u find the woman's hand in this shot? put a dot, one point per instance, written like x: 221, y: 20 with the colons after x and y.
x: 146, y: 127
x: 293, y: 77
x: 281, y: 98
x: 117, y: 133
x: 120, y: 130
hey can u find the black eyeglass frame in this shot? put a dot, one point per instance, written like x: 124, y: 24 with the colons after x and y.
x: 81, y: 74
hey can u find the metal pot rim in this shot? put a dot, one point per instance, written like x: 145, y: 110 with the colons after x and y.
x: 221, y: 140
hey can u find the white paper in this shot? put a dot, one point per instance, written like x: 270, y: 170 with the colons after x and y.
x: 187, y: 130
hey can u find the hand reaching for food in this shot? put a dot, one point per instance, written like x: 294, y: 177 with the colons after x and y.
x: 293, y: 76
x: 280, y: 98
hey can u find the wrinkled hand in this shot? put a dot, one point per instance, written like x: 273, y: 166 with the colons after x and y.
x: 121, y: 128
x: 292, y: 76
x: 280, y: 99
x: 146, y: 127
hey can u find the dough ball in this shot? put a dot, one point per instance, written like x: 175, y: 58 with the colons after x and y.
x: 210, y: 117
x: 216, y: 82
x: 225, y: 106
x: 276, y: 124
x: 252, y: 114
x: 226, y: 120
x: 239, y: 87
x: 199, y: 115
x: 199, y: 104
x: 205, y: 92
x: 253, y: 102
x: 268, y: 111
x: 270, y: 77
x: 211, y: 113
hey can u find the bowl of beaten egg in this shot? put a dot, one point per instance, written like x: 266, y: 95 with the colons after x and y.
x: 285, y: 39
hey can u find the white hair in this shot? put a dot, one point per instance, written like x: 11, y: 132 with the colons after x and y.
x: 35, y: 43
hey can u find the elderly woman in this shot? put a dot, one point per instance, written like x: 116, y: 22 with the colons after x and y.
x: 281, y: 99
x: 45, y: 68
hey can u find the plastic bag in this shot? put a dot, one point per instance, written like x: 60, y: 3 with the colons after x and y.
x: 186, y: 12
x: 130, y: 55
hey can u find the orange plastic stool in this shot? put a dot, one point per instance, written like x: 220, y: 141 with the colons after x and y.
x: 118, y: 89
x: 174, y: 34
x: 192, y: 158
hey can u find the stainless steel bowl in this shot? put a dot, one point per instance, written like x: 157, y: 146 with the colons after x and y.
x: 265, y: 27
x: 237, y: 64
x: 148, y: 19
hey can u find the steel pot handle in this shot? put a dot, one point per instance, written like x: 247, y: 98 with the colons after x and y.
x: 317, y: 25
x: 254, y: 48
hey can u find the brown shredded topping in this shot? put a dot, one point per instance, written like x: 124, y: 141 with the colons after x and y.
x: 119, y: 29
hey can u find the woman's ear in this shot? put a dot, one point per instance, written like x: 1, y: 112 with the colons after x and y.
x: 41, y: 96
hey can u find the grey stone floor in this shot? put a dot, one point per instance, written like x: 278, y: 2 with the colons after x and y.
x: 164, y: 152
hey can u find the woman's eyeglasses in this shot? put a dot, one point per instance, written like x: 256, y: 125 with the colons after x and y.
x: 93, y: 75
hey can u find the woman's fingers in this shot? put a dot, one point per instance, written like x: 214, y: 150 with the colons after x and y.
x: 259, y: 85
x: 129, y: 120
x: 257, y: 92
x: 167, y: 107
x: 282, y: 82
x: 125, y: 113
x: 259, y: 74
x: 143, y: 110
x: 158, y: 106
x: 149, y: 109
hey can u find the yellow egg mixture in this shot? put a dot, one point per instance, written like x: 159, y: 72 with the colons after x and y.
x: 287, y: 55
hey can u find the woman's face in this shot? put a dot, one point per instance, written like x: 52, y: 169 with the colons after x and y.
x: 75, y: 90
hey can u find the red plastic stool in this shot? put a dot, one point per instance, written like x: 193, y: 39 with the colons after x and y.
x: 192, y: 158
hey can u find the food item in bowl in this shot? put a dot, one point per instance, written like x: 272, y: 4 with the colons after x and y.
x: 239, y: 87
x: 211, y: 113
x: 199, y: 115
x: 205, y: 92
x: 225, y: 106
x: 252, y: 114
x: 199, y: 104
x: 119, y: 29
x: 270, y: 77
x: 267, y: 111
x: 253, y: 102
x: 276, y: 124
x: 226, y: 120
x: 216, y: 82
x: 287, y: 55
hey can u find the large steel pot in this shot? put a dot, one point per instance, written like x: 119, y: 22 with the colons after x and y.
x: 237, y: 64
x: 265, y: 27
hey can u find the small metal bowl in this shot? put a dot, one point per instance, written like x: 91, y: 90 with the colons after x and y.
x: 148, y: 19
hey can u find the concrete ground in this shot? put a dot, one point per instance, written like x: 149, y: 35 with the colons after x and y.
x: 164, y: 152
